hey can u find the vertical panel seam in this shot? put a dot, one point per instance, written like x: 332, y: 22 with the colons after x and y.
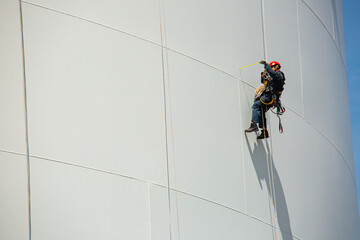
x: 269, y: 155
x: 26, y: 117
x: 171, y: 122
x: 263, y: 28
x: 300, y: 59
x: 327, y: 30
x: 333, y: 22
x: 165, y: 120
x: 242, y: 145
x: 322, y: 134
x: 149, y: 200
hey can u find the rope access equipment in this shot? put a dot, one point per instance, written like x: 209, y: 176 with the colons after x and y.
x: 276, y: 106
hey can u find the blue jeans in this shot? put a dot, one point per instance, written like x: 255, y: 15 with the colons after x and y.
x: 258, y: 112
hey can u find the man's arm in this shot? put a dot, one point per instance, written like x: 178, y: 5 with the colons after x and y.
x: 273, y: 74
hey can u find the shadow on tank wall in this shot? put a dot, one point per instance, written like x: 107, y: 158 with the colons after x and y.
x: 263, y: 163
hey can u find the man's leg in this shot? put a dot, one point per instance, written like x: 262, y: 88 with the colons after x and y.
x: 262, y: 123
x: 262, y: 120
x: 256, y: 116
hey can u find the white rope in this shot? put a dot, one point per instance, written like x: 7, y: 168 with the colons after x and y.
x: 272, y: 187
x: 171, y: 125
x: 166, y: 138
x: 269, y: 165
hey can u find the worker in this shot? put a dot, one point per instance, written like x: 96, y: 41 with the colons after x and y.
x: 273, y: 80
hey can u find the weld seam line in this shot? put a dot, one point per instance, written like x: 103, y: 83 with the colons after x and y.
x: 91, y: 21
x: 158, y: 185
x: 327, y: 30
x: 14, y: 153
x: 130, y: 34
x: 342, y: 60
x: 242, y: 147
x: 234, y: 210
x: 26, y: 118
x: 149, y: 41
x: 165, y: 121
x: 300, y: 58
x: 171, y: 121
x: 197, y: 60
x: 95, y: 169
x: 200, y: 61
x: 150, y: 219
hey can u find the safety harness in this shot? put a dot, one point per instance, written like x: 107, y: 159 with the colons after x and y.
x: 275, y: 101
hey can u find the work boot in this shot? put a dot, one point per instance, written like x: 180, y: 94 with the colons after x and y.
x: 264, y: 134
x: 253, y: 127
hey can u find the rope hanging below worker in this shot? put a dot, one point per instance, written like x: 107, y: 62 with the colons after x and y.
x: 280, y: 110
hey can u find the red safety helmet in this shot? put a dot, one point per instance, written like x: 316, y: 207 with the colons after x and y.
x: 274, y: 63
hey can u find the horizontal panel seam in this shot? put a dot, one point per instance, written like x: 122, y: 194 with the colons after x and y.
x: 130, y: 34
x: 162, y: 186
x: 235, y: 210
x: 209, y: 65
x: 327, y: 30
x: 95, y: 169
x: 13, y: 152
x: 93, y: 22
x: 152, y: 42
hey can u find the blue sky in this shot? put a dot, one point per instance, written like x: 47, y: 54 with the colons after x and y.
x: 352, y: 42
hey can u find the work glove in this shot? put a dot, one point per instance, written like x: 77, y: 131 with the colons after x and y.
x: 263, y: 62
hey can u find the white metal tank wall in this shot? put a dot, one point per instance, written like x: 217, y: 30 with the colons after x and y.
x: 13, y: 160
x: 128, y: 122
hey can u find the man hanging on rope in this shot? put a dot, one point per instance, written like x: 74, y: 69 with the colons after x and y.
x: 266, y: 96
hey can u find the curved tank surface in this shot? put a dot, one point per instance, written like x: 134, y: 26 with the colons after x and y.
x: 125, y: 120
